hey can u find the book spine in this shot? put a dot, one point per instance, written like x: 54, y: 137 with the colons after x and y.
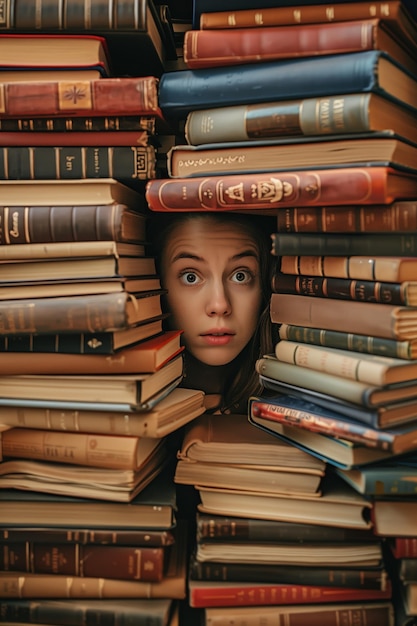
x: 126, y: 163
x: 287, y: 574
x: 310, y: 116
x: 404, y: 547
x: 252, y: 595
x: 48, y: 224
x: 397, y: 217
x: 365, y: 434
x: 75, y: 138
x: 122, y: 562
x: 347, y: 341
x: 269, y: 190
x: 136, y: 537
x: 206, y: 49
x: 408, y: 571
x: 368, y: 267
x: 364, y: 615
x: 324, y: 244
x: 107, y: 123
x: 74, y: 448
x: 103, y: 312
x: 72, y: 343
x: 341, y: 288
x: 300, y: 14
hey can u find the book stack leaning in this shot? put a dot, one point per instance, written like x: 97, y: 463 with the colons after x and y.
x: 89, y: 378
x: 314, y: 123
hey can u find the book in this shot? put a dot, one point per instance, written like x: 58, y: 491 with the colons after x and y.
x: 368, y: 578
x: 373, y: 432
x: 183, y: 91
x: 336, y: 451
x: 392, y: 12
x: 210, y: 439
x: 346, y: 288
x: 22, y: 51
x: 127, y: 390
x: 322, y: 614
x: 141, y: 358
x: 349, y: 341
x: 247, y: 157
x: 407, y: 570
x: 121, y: 562
x: 339, y: 505
x: 60, y: 192
x: 83, y: 122
x: 47, y: 224
x: 70, y: 250
x: 176, y: 409
x: 366, y: 318
x: 372, y: 369
x: 342, y: 113
x: 268, y: 479
x: 87, y: 536
x: 69, y: 611
x: 244, y: 530
x: 125, y: 163
x: 86, y: 313
x: 271, y: 191
x: 376, y: 218
x: 335, y: 244
x: 121, y: 96
x: 204, y: 6
x: 395, y: 269
x: 77, y: 138
x: 32, y: 586
x: 394, y: 517
x: 334, y: 392
x: 209, y: 593
x: 18, y: 74
x: 133, y: 30
x: 230, y: 47
x: 383, y: 479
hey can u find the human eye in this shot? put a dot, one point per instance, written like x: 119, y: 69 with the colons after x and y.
x: 242, y: 276
x: 189, y: 277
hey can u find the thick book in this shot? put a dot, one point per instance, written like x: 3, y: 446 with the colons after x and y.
x: 73, y: 250
x: 20, y: 51
x: 176, y: 409
x: 404, y: 293
x: 47, y: 224
x: 211, y: 593
x: 383, y: 479
x: 230, y: 46
x: 124, y: 163
x: 141, y: 358
x: 86, y: 192
x: 343, y: 113
x: 336, y: 244
x: 350, y: 341
x: 322, y: 614
x: 76, y: 314
x: 395, y: 269
x: 183, y: 91
x: 135, y: 96
x: 59, y: 586
x: 122, y: 562
x: 247, y: 157
x: 366, y: 318
x: 77, y: 138
x: 366, y: 368
x: 124, y: 390
x: 331, y: 576
x: 84, y: 122
x: 87, y: 536
x: 400, y: 216
x: 403, y: 547
x: 394, y: 517
x: 286, y: 409
x: 132, y: 29
x: 69, y: 612
x: 271, y: 191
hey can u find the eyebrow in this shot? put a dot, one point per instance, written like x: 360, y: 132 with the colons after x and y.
x: 195, y: 257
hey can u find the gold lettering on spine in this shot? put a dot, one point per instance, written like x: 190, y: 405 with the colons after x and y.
x: 338, y: 113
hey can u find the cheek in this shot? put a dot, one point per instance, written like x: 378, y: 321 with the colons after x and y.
x: 180, y: 309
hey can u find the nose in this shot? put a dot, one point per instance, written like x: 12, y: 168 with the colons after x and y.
x: 218, y: 301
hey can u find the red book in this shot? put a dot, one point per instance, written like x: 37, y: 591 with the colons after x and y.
x: 404, y: 547
x: 212, y: 48
x: 267, y: 191
x: 213, y: 593
x: 104, y: 96
x: 76, y: 138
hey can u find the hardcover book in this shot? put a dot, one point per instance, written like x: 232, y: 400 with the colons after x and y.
x: 384, y: 479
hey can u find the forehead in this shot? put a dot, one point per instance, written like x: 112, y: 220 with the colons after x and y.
x: 206, y: 235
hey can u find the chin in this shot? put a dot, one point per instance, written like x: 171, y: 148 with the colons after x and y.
x: 215, y: 360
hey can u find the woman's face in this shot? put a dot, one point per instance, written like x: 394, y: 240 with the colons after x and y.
x: 212, y: 274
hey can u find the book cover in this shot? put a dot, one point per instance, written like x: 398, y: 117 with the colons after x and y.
x: 384, y: 479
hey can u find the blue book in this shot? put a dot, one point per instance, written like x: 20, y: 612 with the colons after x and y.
x: 387, y: 478
x: 183, y: 91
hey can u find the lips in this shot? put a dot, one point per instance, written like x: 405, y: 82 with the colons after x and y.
x: 217, y: 337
